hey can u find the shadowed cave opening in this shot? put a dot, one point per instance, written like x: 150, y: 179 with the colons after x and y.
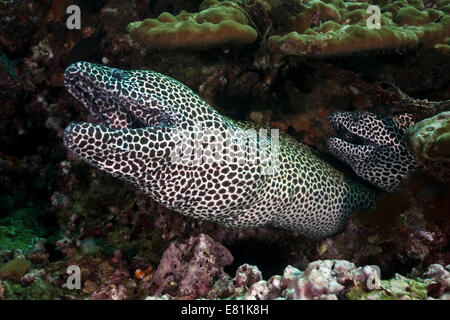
x: 270, y: 258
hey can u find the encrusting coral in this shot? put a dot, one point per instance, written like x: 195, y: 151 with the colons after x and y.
x: 216, y: 24
x: 430, y: 138
x: 15, y: 268
x: 429, y: 141
x: 331, y: 27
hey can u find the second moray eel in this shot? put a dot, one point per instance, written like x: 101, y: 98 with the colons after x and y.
x: 140, y: 114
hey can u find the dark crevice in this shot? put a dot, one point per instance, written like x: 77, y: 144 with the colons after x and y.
x: 270, y: 258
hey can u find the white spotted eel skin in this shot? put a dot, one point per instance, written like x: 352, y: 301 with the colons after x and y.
x: 138, y: 113
x: 373, y: 146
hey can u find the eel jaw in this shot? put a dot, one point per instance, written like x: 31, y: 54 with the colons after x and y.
x: 129, y: 132
x: 351, y: 143
x: 128, y: 154
x: 354, y: 127
x: 372, y: 145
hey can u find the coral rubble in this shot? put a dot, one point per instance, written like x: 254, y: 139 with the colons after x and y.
x: 189, y: 269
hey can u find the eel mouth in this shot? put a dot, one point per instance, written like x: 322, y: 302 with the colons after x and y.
x: 109, y: 104
x: 346, y: 129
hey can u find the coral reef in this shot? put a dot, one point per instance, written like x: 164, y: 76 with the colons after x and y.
x: 328, y: 280
x: 217, y: 24
x: 333, y: 27
x: 440, y: 281
x: 56, y: 211
x: 321, y: 280
x: 14, y: 269
x: 20, y: 228
x: 409, y: 225
x: 194, y: 269
x: 429, y: 140
x: 188, y: 270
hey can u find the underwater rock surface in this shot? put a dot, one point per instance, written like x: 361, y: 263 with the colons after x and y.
x: 56, y: 211
x: 188, y: 270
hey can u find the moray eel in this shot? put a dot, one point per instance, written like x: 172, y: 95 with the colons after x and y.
x: 138, y: 114
x: 373, y: 146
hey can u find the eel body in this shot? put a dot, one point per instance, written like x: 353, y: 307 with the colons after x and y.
x: 139, y: 116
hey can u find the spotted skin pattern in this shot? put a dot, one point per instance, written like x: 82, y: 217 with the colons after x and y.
x: 373, y: 146
x: 137, y: 114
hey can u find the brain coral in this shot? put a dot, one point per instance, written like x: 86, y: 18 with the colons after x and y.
x: 329, y: 27
x: 216, y: 24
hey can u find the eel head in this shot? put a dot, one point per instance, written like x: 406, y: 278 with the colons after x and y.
x: 136, y: 113
x: 373, y: 146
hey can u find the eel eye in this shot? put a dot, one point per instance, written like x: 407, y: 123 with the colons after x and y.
x: 117, y: 74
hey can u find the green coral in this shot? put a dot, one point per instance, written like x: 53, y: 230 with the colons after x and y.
x: 15, y: 268
x: 413, y: 17
x: 40, y: 289
x: 403, y: 24
x: 18, y: 229
x: 443, y: 49
x: 430, y: 138
x: 217, y: 24
x: 393, y: 289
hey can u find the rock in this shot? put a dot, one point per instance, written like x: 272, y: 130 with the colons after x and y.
x: 189, y: 269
